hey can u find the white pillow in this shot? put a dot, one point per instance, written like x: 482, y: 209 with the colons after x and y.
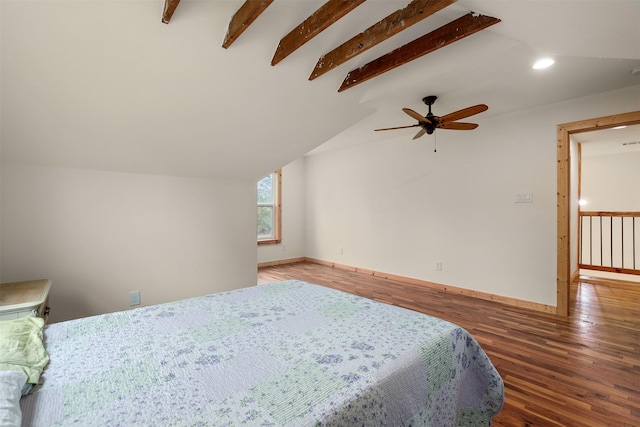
x: 11, y: 383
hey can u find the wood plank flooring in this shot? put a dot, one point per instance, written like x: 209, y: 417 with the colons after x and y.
x: 578, y: 371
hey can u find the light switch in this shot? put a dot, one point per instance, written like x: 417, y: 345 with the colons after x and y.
x: 524, y: 197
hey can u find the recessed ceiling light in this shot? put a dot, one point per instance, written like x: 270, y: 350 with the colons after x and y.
x: 543, y: 63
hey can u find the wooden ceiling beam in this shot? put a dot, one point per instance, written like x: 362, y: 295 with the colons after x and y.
x: 319, y: 21
x: 401, y: 19
x: 456, y: 30
x: 248, y: 12
x: 169, y: 8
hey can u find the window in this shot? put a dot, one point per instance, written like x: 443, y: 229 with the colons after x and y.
x: 269, y: 208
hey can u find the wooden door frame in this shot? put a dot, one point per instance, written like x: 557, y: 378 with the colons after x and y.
x: 564, y: 196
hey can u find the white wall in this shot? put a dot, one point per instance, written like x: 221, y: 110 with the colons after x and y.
x: 292, y: 245
x: 396, y: 206
x: 100, y: 235
x: 611, y: 182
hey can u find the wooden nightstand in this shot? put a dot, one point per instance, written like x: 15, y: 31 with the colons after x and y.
x: 22, y: 299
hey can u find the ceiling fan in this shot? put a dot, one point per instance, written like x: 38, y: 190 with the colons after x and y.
x: 431, y: 122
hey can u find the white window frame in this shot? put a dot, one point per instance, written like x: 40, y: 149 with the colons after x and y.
x: 277, y: 209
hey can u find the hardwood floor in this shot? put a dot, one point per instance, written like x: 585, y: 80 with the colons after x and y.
x: 578, y: 371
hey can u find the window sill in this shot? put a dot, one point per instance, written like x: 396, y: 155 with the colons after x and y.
x: 269, y: 242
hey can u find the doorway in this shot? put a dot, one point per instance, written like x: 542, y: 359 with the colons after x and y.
x: 565, y: 197
x: 607, y: 244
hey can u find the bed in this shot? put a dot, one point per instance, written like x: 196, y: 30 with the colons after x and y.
x: 282, y: 354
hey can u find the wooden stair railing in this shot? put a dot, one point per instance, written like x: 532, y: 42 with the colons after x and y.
x: 610, y: 241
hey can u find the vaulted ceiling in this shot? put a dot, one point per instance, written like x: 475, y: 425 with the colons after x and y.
x: 232, y: 90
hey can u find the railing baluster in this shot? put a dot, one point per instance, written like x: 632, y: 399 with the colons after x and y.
x: 590, y: 240
x: 611, y: 239
x: 601, y: 253
x: 580, y: 239
x: 622, y: 239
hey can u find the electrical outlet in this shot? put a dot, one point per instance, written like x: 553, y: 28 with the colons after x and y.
x: 439, y: 266
x: 134, y: 298
x: 341, y: 251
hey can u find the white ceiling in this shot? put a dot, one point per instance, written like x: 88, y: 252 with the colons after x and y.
x: 105, y: 85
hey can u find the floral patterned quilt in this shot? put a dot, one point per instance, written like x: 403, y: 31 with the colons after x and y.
x: 282, y: 354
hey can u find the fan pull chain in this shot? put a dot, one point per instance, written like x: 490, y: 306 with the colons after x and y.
x: 435, y: 142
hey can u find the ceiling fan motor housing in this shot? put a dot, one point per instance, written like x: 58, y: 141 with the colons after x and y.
x: 430, y: 127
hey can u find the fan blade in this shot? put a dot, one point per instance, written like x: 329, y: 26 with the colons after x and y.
x: 416, y: 116
x: 419, y: 134
x: 458, y: 126
x: 465, y: 112
x: 399, y: 127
